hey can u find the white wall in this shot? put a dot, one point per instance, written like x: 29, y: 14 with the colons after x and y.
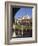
x: 2, y: 22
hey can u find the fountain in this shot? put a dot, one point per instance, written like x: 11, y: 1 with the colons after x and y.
x: 22, y: 30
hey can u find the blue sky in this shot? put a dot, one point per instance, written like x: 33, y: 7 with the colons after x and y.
x: 23, y: 12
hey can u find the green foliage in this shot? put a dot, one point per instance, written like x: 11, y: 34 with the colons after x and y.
x: 19, y: 27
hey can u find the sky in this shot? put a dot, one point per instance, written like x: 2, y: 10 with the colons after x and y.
x: 23, y: 12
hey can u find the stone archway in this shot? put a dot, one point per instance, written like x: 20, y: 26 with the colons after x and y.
x: 13, y: 12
